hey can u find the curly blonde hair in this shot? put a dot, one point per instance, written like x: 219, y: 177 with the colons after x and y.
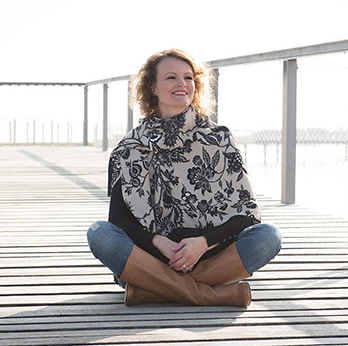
x: 203, y: 99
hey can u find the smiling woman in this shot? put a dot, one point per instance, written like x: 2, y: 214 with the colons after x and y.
x: 174, y: 71
x: 184, y: 225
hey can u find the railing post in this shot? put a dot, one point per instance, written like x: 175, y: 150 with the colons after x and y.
x: 96, y: 133
x: 10, y: 132
x: 216, y: 93
x: 105, y: 117
x: 85, y: 117
x: 289, y: 132
x: 130, y: 109
x: 34, y: 131
x: 14, y: 131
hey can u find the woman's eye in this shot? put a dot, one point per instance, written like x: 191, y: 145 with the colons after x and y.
x: 189, y: 77
x: 171, y: 77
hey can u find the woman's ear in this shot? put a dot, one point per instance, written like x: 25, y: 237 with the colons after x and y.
x: 154, y: 90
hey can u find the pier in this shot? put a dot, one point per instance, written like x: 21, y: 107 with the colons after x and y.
x: 54, y: 292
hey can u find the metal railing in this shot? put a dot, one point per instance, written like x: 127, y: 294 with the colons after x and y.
x: 41, y: 132
x: 288, y: 138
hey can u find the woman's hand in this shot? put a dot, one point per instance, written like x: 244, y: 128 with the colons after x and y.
x: 165, y: 245
x: 187, y: 253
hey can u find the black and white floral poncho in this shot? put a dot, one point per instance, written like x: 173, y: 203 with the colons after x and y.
x: 184, y: 171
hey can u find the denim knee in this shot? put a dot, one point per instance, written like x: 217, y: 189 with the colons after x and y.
x: 94, y: 237
x: 257, y: 245
x: 273, y: 238
x: 110, y: 244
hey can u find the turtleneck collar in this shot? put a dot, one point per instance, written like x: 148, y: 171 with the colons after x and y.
x: 183, y: 121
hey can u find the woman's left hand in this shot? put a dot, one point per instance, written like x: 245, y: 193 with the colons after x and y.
x: 187, y: 253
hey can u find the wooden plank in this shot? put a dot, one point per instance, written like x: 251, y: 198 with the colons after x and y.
x: 45, y: 250
x: 95, y: 284
x: 89, y: 260
x: 97, y: 268
x: 60, y: 287
x: 246, y: 317
x: 84, y: 309
x: 83, y: 270
x: 265, y: 342
x: 270, y: 278
x: 115, y: 295
x: 177, y: 322
x: 284, y: 256
x: 56, y: 280
x: 177, y: 334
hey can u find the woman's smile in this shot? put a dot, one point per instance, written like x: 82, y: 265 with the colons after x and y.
x: 180, y: 93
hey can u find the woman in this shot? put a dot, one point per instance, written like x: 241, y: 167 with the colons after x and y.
x: 183, y: 225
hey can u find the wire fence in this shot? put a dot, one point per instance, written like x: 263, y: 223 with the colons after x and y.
x: 321, y: 167
x: 34, y: 132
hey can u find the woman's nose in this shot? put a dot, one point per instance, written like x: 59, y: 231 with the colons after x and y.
x: 181, y: 81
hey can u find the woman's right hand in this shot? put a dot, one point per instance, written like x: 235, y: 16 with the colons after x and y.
x: 164, y: 245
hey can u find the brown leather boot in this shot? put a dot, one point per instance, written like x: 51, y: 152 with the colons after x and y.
x: 225, y: 267
x: 135, y: 295
x: 147, y: 272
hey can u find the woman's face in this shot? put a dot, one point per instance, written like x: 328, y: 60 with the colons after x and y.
x: 175, y: 86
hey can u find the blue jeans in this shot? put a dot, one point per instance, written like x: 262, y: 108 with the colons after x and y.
x: 256, y: 245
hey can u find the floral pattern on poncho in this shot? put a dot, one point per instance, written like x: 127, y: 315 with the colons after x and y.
x: 185, y: 171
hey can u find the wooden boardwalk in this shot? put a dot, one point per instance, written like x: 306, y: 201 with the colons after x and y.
x: 53, y: 291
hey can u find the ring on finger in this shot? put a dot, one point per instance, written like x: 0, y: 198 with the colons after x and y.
x: 185, y: 266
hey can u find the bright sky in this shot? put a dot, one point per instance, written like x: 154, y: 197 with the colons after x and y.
x: 84, y: 40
